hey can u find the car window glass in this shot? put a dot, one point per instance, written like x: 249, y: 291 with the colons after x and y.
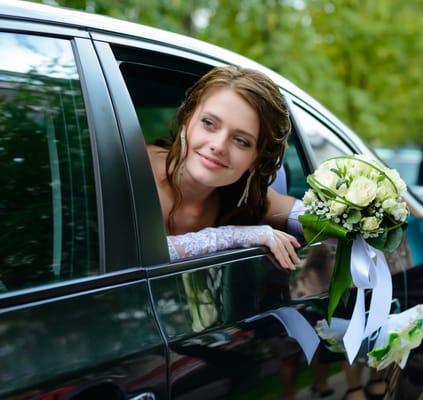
x: 48, y: 211
x: 323, y: 141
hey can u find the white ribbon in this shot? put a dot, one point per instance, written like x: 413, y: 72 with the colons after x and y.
x: 369, y: 270
x: 296, y: 326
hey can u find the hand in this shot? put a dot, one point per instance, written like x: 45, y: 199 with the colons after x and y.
x: 282, y: 245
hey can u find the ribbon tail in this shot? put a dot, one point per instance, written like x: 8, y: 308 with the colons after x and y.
x: 380, y: 304
x: 354, y: 334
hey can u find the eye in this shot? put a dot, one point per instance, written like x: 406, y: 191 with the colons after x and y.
x: 207, y: 123
x: 242, y: 142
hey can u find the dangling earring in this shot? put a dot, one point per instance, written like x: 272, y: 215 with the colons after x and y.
x: 244, y: 196
x: 183, y: 146
x: 182, y: 138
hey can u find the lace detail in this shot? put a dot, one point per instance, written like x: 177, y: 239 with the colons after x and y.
x: 211, y: 240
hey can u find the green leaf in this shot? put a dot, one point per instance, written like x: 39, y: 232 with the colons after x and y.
x: 378, y: 242
x: 326, y: 228
x: 354, y: 216
x: 336, y: 171
x: 341, y: 276
x: 341, y: 182
x: 394, y: 239
x: 313, y: 236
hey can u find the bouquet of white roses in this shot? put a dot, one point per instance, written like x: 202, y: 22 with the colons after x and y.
x: 350, y: 196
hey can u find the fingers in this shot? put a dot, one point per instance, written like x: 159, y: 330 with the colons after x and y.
x: 283, y: 248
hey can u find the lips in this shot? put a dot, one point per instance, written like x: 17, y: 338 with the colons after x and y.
x: 211, y: 161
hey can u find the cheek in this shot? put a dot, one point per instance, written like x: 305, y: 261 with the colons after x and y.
x: 245, y: 161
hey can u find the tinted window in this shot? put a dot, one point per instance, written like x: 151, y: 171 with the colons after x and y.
x: 48, y: 223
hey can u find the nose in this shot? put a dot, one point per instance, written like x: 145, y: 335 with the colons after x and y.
x: 218, y: 142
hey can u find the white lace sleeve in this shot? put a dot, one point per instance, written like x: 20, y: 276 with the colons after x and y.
x: 210, y: 240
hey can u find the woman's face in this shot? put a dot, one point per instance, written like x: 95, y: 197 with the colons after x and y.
x: 222, y: 139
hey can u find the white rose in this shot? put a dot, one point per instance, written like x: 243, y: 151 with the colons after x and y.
x: 389, y: 204
x: 369, y: 223
x: 326, y: 177
x: 336, y: 208
x: 309, y: 197
x: 400, y: 211
x: 398, y: 182
x: 362, y: 191
x: 385, y: 190
x: 356, y: 168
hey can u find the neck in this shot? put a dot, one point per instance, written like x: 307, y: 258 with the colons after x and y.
x: 194, y: 193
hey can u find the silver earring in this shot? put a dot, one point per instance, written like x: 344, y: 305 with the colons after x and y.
x: 182, y: 138
x: 244, y: 196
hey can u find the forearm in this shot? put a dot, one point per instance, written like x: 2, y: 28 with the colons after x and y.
x: 211, y: 240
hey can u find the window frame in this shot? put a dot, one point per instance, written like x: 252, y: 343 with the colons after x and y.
x: 325, y: 122
x: 153, y: 245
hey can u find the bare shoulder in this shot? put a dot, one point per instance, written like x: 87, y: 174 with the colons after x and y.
x: 157, y: 157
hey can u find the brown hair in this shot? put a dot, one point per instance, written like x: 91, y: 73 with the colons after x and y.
x: 265, y: 98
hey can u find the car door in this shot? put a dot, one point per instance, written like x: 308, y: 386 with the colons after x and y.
x: 75, y: 317
x: 205, y: 305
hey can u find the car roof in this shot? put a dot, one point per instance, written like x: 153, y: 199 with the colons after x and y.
x: 60, y: 16
x: 34, y: 12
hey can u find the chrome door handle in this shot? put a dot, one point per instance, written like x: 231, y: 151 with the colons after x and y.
x: 144, y: 396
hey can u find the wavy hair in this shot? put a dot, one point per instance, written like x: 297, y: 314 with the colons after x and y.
x: 262, y: 94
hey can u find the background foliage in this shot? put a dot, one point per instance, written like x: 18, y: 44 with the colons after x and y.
x: 362, y: 59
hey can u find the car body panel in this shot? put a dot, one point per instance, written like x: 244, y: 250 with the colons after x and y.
x: 109, y: 332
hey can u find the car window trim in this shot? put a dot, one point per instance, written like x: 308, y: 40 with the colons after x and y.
x: 152, y: 245
x: 79, y: 286
x: 40, y: 28
x: 206, y: 261
x: 157, y: 47
x: 302, y: 144
x: 115, y: 204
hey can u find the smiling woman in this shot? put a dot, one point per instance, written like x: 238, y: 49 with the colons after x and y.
x: 233, y: 128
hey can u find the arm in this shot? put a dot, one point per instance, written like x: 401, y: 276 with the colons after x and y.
x: 283, y: 212
x: 210, y: 240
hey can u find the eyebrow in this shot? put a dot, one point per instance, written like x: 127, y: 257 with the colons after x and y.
x: 253, y: 137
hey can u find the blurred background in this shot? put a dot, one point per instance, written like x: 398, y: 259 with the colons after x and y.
x: 362, y: 59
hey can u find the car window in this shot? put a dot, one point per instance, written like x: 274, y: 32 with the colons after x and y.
x: 48, y: 210
x: 156, y: 94
x: 323, y: 141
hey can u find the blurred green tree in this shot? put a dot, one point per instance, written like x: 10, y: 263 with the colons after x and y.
x: 361, y: 59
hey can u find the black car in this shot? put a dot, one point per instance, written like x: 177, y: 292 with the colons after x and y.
x: 90, y: 305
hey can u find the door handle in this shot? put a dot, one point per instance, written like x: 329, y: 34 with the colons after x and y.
x: 144, y: 396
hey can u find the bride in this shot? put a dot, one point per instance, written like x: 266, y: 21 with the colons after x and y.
x: 213, y: 179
